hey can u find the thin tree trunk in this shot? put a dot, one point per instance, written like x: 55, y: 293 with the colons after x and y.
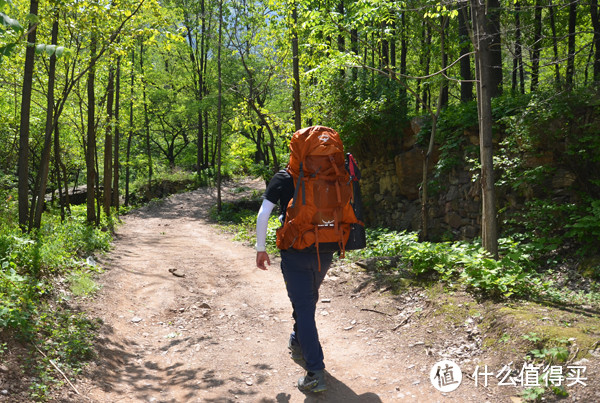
x: 341, y: 40
x: 146, y: 117
x: 45, y: 158
x: 569, y: 76
x: 444, y: 85
x: 91, y: 134
x: 492, y: 19
x: 57, y: 169
x: 354, y: 47
x: 204, y: 50
x: 206, y: 141
x: 116, y: 164
x: 62, y: 169
x: 554, y: 46
x: 427, y: 44
x: 25, y: 120
x: 596, y: 25
x: 108, y: 142
x: 537, y: 45
x: 296, y: 69
x: 403, y: 66
x: 466, y: 84
x: 384, y: 56
x: 485, y: 87
x: 130, y: 134
x: 518, y: 75
x: 219, y: 107
x: 424, y: 188
x: 97, y: 188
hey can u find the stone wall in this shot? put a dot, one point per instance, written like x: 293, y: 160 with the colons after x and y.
x: 390, y: 192
x: 390, y: 188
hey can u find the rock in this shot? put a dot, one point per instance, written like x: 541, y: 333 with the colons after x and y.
x: 136, y: 319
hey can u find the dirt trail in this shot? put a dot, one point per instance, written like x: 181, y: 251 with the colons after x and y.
x: 219, y: 334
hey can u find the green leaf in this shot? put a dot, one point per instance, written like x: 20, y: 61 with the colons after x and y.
x: 6, y: 49
x: 40, y: 48
x: 32, y: 18
x: 11, y: 23
x: 50, y: 49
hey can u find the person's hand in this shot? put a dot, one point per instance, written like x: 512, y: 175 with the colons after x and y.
x: 261, y: 258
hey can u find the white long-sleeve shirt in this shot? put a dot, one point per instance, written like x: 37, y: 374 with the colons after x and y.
x: 262, y: 223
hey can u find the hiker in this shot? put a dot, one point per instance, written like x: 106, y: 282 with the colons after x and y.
x: 307, y: 253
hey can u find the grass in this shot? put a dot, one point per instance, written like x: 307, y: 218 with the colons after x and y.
x: 33, y: 306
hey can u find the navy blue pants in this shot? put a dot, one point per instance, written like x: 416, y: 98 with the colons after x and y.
x: 302, y: 280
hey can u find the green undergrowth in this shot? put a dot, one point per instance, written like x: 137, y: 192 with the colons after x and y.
x: 40, y: 272
x: 461, y: 263
x: 239, y: 218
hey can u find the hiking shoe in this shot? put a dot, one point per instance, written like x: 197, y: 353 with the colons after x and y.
x: 296, y: 352
x: 313, y: 382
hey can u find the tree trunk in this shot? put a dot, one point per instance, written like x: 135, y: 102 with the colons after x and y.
x: 424, y: 186
x: 296, y: 69
x: 554, y: 46
x: 466, y: 84
x: 146, y: 117
x: 486, y: 83
x: 219, y: 106
x: 444, y: 95
x: 206, y: 140
x: 25, y: 121
x: 537, y: 45
x: 403, y: 52
x: 569, y: 76
x: 58, y: 170
x: 45, y: 158
x: 130, y: 134
x: 97, y: 188
x: 384, y: 49
x: 341, y: 40
x: 518, y: 74
x: 354, y: 47
x: 427, y: 62
x: 62, y: 169
x: 117, y: 156
x: 108, y: 142
x: 495, y: 59
x: 596, y: 25
x: 91, y: 134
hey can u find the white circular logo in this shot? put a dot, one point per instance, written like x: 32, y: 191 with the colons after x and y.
x: 445, y: 376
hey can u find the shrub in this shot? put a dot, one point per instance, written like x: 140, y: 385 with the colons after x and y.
x: 468, y: 262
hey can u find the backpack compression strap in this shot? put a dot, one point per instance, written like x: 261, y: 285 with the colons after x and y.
x: 300, y: 182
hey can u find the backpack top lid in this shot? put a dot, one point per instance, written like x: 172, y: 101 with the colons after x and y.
x: 316, y: 141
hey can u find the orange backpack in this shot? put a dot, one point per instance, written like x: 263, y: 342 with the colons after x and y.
x: 320, y: 213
